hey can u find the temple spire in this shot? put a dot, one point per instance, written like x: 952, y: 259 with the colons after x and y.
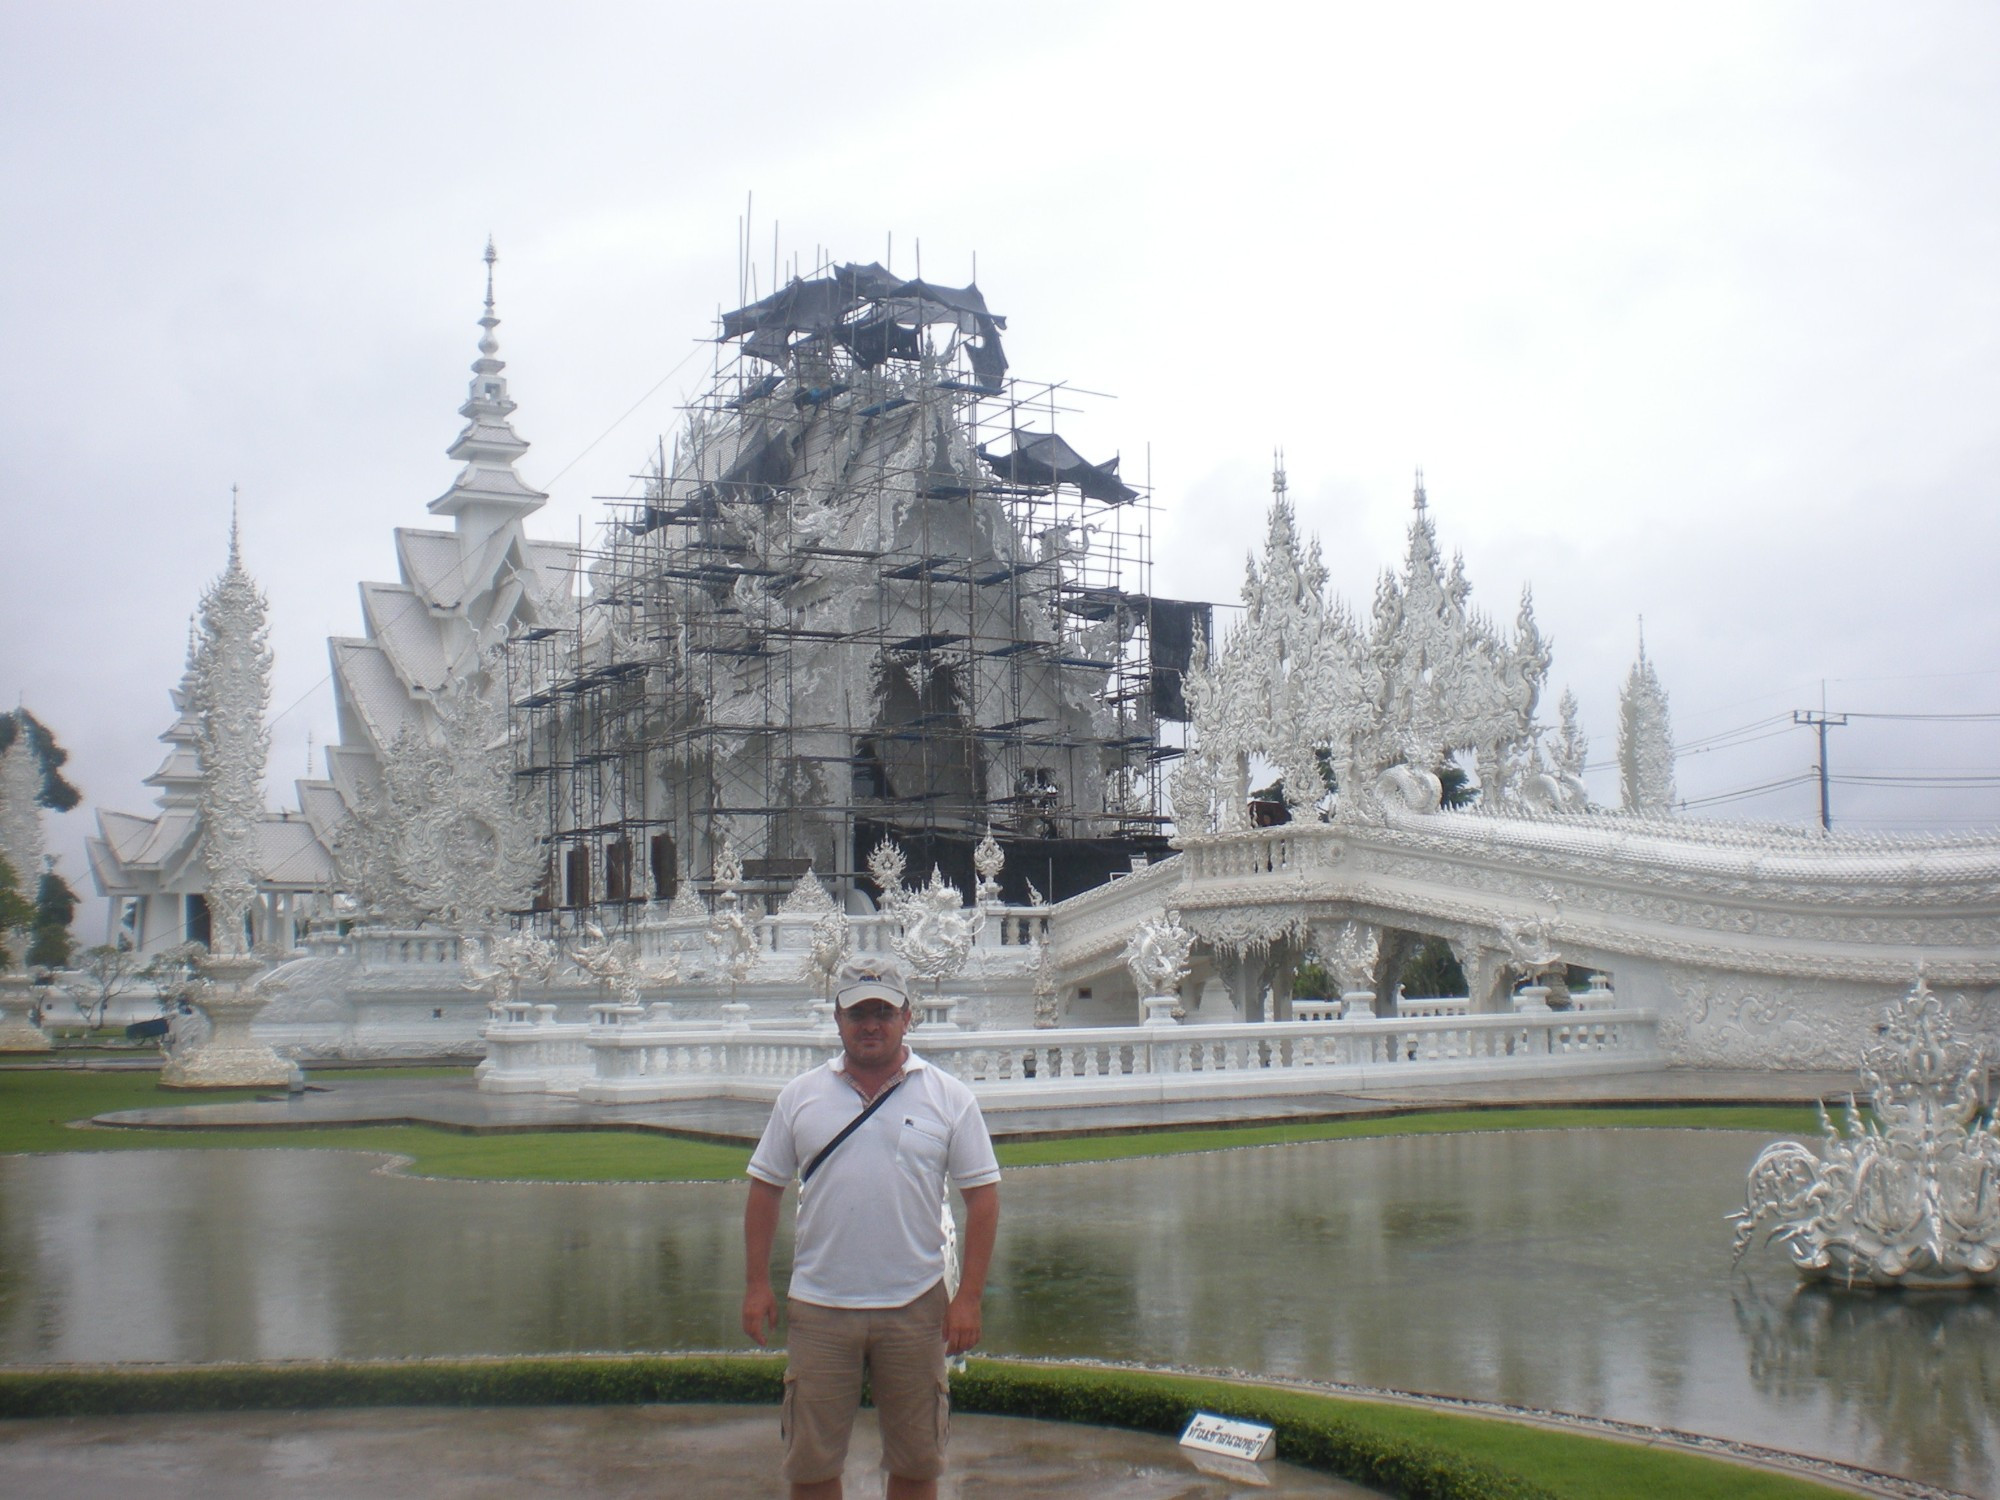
x: 489, y: 445
x: 1421, y: 503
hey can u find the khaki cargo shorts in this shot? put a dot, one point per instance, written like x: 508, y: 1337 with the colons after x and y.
x: 902, y: 1350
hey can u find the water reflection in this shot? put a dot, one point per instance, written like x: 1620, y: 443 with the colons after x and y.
x: 1583, y: 1271
x: 1915, y: 1374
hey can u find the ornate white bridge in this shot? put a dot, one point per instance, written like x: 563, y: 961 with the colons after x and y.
x: 1751, y: 946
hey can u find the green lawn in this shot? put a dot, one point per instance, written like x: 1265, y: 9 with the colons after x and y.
x: 38, y: 1108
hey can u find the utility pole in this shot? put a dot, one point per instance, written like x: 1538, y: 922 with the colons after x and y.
x: 1821, y: 721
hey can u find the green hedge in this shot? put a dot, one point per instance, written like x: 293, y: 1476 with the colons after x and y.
x: 1105, y: 1398
x: 1315, y: 1438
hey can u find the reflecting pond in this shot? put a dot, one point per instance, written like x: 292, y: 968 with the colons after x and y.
x: 1584, y: 1271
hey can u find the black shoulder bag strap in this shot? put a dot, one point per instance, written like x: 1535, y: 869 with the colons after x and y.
x: 848, y: 1129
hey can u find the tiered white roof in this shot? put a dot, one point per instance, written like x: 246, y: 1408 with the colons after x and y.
x: 460, y: 591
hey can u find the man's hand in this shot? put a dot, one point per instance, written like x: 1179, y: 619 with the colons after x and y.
x: 961, y: 1322
x: 760, y: 1229
x: 760, y: 1313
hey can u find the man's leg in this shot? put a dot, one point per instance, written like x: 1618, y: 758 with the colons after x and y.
x: 824, y: 1348
x: 906, y: 1370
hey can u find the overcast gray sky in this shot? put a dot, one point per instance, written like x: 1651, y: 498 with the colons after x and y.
x: 1688, y: 313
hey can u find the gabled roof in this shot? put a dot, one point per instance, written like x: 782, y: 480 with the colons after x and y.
x: 429, y: 563
x: 555, y: 561
x: 124, y: 834
x: 374, y: 692
x: 402, y: 626
x: 290, y: 854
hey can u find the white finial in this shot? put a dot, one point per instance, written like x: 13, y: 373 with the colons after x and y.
x: 1278, y: 472
x: 488, y: 345
x: 235, y: 553
x: 1421, y: 502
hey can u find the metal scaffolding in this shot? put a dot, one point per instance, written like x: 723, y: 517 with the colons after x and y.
x: 869, y: 593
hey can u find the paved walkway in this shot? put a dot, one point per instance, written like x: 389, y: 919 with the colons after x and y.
x: 598, y: 1453
x: 457, y: 1104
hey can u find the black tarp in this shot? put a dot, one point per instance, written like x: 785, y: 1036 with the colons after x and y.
x: 874, y: 314
x: 1043, y: 459
x: 1170, y: 629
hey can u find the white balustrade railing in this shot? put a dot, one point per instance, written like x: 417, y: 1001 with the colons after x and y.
x: 387, y: 947
x: 627, y: 1058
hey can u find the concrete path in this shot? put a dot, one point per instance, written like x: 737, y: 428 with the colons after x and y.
x: 457, y: 1104
x: 592, y: 1452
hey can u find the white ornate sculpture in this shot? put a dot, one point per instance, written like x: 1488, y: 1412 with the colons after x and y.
x: 732, y: 932
x: 829, y: 945
x: 809, y: 897
x: 1156, y: 955
x: 988, y: 860
x: 1048, y: 995
x: 1265, y: 692
x: 502, y: 964
x: 1299, y: 683
x: 446, y: 835
x: 885, y: 868
x: 1530, y: 951
x: 1351, y: 952
x: 1645, y: 741
x: 1910, y: 1199
x: 231, y: 685
x: 937, y: 930
x: 615, y: 964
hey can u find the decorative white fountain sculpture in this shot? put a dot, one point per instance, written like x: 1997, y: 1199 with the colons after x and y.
x: 1910, y: 1199
x: 1156, y: 955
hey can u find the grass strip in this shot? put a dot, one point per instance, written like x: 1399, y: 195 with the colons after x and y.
x: 1414, y: 1452
x: 1780, y: 1119
x: 37, y: 1108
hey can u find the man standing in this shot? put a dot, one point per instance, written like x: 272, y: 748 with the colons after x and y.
x: 873, y: 1137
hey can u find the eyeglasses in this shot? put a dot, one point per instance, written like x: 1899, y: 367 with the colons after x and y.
x: 871, y: 1013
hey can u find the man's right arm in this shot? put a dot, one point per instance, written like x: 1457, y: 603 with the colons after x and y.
x: 760, y: 1234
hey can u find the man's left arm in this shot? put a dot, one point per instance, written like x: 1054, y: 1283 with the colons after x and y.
x: 982, y: 1224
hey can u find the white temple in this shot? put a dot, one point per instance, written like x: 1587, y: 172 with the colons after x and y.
x: 843, y: 628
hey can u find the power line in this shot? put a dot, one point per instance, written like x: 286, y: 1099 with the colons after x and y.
x: 1752, y: 791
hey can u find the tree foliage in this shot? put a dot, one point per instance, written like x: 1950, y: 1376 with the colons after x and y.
x: 16, y: 911
x: 50, y: 944
x: 57, y: 793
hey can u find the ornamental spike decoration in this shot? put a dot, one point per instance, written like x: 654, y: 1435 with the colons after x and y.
x: 1336, y: 704
x: 230, y: 685
x: 1910, y: 1198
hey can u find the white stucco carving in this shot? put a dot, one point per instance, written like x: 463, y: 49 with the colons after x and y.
x: 445, y: 833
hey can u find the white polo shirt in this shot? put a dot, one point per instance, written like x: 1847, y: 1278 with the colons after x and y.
x: 868, y: 1231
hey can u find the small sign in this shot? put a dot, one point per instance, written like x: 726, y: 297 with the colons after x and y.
x: 1208, y: 1433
